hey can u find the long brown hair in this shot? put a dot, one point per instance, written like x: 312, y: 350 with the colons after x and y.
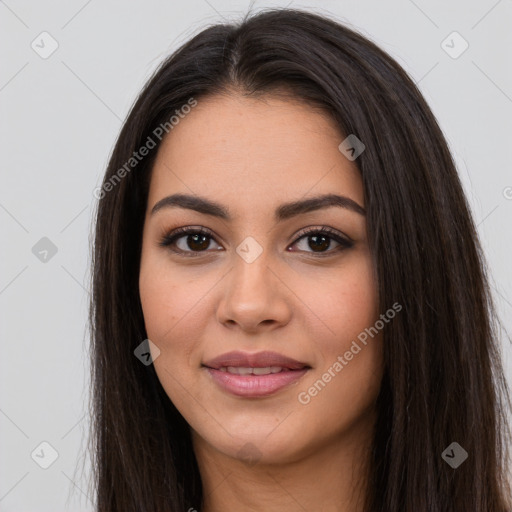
x: 443, y: 379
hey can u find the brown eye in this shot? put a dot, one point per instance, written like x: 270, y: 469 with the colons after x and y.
x: 194, y: 240
x: 319, y: 241
x: 197, y: 242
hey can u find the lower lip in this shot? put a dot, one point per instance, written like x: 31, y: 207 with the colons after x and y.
x: 255, y: 385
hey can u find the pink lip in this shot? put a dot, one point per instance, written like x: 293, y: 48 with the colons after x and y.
x: 254, y: 360
x: 255, y: 385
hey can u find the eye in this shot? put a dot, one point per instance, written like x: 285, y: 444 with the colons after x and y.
x: 195, y: 240
x: 320, y: 239
x: 192, y: 241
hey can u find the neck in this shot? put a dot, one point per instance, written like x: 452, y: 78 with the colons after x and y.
x: 331, y: 477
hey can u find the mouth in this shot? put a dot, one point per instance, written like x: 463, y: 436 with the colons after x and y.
x: 257, y: 360
x: 240, y: 370
x: 254, y: 375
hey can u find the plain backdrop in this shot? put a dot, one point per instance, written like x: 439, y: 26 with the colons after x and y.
x: 60, y: 115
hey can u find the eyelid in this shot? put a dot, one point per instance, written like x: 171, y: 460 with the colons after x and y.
x: 326, y: 229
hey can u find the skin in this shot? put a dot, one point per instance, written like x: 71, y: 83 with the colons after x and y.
x: 252, y: 155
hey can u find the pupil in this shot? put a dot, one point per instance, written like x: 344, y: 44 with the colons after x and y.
x: 196, y: 237
x: 315, y: 245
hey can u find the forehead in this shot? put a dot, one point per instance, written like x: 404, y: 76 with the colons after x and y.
x: 252, y: 153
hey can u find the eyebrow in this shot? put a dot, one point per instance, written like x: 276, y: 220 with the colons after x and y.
x: 283, y: 212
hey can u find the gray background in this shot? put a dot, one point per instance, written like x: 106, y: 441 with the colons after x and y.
x: 60, y: 116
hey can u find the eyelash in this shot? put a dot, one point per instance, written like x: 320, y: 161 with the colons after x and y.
x: 171, y: 237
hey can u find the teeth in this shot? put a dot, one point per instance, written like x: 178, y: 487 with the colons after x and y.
x: 239, y: 371
x: 252, y: 371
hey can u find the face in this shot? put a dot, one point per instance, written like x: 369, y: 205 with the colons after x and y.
x: 259, y: 277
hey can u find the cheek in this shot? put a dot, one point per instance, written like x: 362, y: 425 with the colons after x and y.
x: 176, y: 313
x: 168, y: 296
x: 343, y: 303
x: 168, y: 299
x: 349, y: 369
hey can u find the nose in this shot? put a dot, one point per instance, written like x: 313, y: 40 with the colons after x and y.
x: 254, y: 296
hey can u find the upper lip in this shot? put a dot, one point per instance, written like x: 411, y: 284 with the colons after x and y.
x: 255, y: 360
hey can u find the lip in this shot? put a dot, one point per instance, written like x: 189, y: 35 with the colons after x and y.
x: 254, y: 360
x: 255, y: 385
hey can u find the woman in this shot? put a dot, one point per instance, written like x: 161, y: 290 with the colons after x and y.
x: 290, y: 309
